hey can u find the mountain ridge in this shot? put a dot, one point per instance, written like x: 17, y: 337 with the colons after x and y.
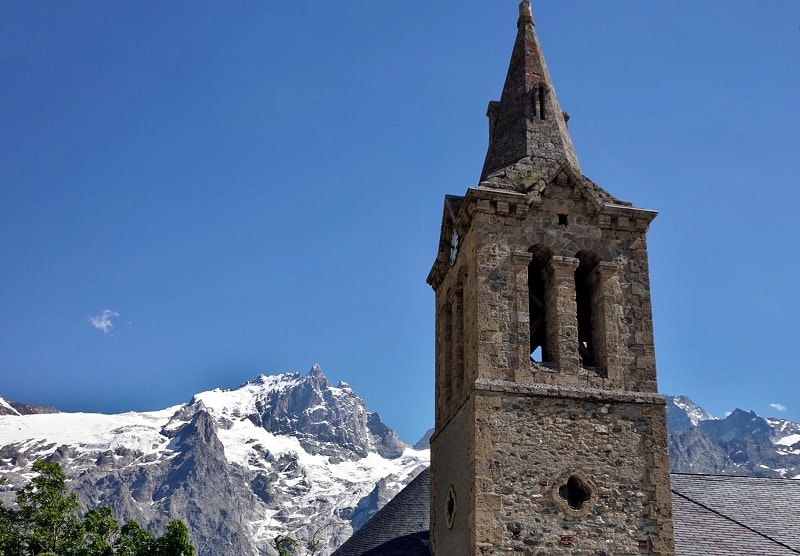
x: 743, y: 443
x: 293, y: 454
x: 280, y: 454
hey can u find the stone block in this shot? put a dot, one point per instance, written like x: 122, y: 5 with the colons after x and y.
x: 645, y: 362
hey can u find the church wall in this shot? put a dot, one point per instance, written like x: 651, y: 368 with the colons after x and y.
x: 497, y: 321
x: 509, y: 226
x: 541, y: 423
x: 547, y: 412
x: 537, y: 443
x: 450, y: 459
x: 456, y: 331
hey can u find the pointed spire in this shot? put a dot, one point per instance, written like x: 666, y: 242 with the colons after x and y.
x: 527, y: 129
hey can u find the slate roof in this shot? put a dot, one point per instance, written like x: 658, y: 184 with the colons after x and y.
x: 400, y: 528
x: 713, y: 515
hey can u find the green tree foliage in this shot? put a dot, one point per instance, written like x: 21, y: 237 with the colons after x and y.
x: 46, y: 519
x: 46, y: 522
x: 285, y: 545
x: 134, y: 541
x: 174, y: 542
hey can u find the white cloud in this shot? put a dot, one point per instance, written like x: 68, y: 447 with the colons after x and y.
x: 778, y: 407
x: 103, y: 322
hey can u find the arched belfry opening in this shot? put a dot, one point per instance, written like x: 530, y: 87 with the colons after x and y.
x: 585, y: 298
x: 537, y: 303
x: 447, y: 354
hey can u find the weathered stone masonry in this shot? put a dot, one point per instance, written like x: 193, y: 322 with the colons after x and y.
x: 550, y: 434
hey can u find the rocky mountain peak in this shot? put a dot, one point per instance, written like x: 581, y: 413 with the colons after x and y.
x: 683, y: 413
x: 280, y: 454
x: 316, y: 370
x: 309, y: 408
x: 6, y: 408
x: 13, y: 408
x: 743, y: 443
x: 738, y: 424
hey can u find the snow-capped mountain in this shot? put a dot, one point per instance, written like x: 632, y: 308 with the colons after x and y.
x: 12, y: 408
x: 689, y: 415
x: 294, y: 454
x: 741, y: 444
x: 286, y: 454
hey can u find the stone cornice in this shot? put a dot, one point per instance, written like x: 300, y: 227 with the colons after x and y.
x: 572, y: 392
x: 626, y: 217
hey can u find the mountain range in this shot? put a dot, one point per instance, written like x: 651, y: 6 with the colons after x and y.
x: 287, y: 454
x: 293, y: 454
x: 742, y: 443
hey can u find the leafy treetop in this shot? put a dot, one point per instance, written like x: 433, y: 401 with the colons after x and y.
x: 46, y: 522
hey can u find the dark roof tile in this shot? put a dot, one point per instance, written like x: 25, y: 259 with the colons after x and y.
x: 762, y: 515
x: 400, y: 527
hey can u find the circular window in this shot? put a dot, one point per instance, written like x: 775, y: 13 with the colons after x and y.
x: 574, y: 493
x: 450, y: 507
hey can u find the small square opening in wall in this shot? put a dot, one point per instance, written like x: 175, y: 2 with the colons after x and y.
x: 562, y: 219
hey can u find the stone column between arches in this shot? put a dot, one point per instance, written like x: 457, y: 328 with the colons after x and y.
x: 561, y: 314
x: 521, y: 363
x: 606, y: 314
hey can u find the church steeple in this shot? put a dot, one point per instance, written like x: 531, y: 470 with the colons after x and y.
x: 550, y: 435
x: 527, y: 129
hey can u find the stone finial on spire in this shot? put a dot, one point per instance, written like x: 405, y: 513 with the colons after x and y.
x: 525, y: 12
x: 527, y: 129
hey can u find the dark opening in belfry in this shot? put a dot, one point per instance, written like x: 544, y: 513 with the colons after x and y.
x: 584, y: 297
x: 542, y: 101
x: 537, y: 304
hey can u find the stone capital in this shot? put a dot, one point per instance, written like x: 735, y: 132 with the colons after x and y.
x: 520, y: 261
x: 562, y: 266
x: 607, y: 269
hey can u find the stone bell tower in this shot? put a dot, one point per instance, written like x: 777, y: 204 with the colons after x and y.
x: 550, y: 435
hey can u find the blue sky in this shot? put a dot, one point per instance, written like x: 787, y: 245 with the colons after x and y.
x: 240, y: 188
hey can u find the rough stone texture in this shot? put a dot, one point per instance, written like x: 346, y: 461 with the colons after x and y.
x: 488, y: 282
x: 539, y: 250
x: 538, y: 443
x: 483, y: 334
